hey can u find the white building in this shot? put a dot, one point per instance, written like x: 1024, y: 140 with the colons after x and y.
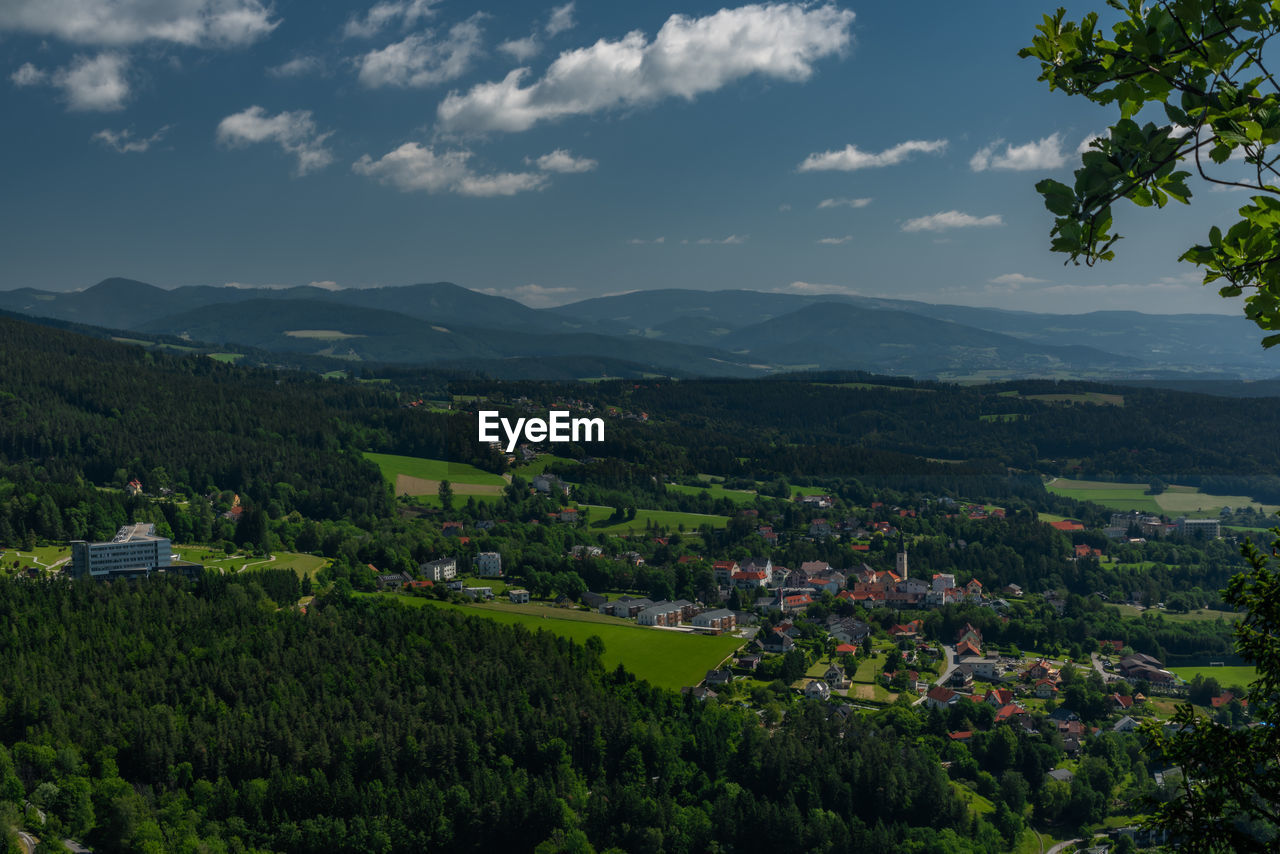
x: 489, y: 565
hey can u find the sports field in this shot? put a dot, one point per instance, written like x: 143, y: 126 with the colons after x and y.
x: 1227, y: 676
x: 665, y: 658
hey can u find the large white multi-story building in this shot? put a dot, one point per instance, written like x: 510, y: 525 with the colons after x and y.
x: 136, y: 550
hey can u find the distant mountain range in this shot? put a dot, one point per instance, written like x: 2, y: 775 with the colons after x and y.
x: 670, y: 332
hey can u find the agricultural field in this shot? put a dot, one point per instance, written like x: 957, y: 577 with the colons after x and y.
x: 670, y: 519
x: 230, y: 358
x: 417, y: 476
x: 1174, y: 501
x: 666, y: 659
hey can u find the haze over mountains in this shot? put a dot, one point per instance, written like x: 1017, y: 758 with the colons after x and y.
x: 673, y: 332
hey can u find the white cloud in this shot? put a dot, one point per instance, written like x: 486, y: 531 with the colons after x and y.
x: 299, y: 66
x: 381, y: 15
x: 533, y: 295
x: 784, y: 207
x: 1016, y: 280
x: 638, y: 241
x: 851, y: 157
x: 731, y: 240
x: 1042, y: 154
x: 839, y: 203
x: 417, y: 167
x: 28, y: 75
x: 419, y: 60
x: 814, y: 289
x: 96, y: 83
x: 195, y: 23
x: 521, y: 50
x: 951, y: 219
x: 295, y: 132
x: 689, y: 56
x: 126, y: 143
x: 835, y: 241
x: 561, y: 160
x: 561, y: 19
x: 326, y: 285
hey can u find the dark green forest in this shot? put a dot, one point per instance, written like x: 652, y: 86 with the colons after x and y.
x: 156, y: 718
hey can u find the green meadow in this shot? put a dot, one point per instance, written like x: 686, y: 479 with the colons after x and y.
x: 425, y: 469
x: 666, y: 659
x: 716, y: 491
x: 1174, y: 501
x: 670, y: 519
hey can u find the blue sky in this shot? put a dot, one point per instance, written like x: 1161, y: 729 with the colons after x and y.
x: 559, y: 152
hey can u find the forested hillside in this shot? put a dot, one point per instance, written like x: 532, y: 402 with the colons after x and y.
x: 149, y: 718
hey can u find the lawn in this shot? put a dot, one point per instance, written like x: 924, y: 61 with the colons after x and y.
x: 666, y: 659
x: 226, y: 357
x: 1196, y: 616
x: 1230, y: 675
x: 671, y: 519
x: 715, y: 491
x: 211, y: 558
x: 42, y: 556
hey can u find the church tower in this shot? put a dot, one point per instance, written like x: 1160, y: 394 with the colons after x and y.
x: 901, y: 568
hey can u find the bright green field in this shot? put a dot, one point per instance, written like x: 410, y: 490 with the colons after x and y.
x: 667, y: 659
x: 226, y: 357
x: 672, y: 519
x: 1117, y: 496
x: 1176, y: 500
x: 1231, y: 675
x: 425, y: 469
x: 716, y: 491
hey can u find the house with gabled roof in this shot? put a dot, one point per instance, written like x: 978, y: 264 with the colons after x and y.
x: 940, y: 697
x: 776, y: 641
x: 817, y: 690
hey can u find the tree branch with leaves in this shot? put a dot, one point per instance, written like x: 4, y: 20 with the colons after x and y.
x: 1201, y: 62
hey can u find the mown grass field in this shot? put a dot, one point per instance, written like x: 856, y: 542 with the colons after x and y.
x: 1117, y: 496
x: 666, y: 659
x: 425, y: 469
x: 671, y: 519
x: 301, y: 564
x: 716, y: 492
x: 1175, y: 500
x: 1196, y: 616
x: 1229, y: 675
x: 226, y: 357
